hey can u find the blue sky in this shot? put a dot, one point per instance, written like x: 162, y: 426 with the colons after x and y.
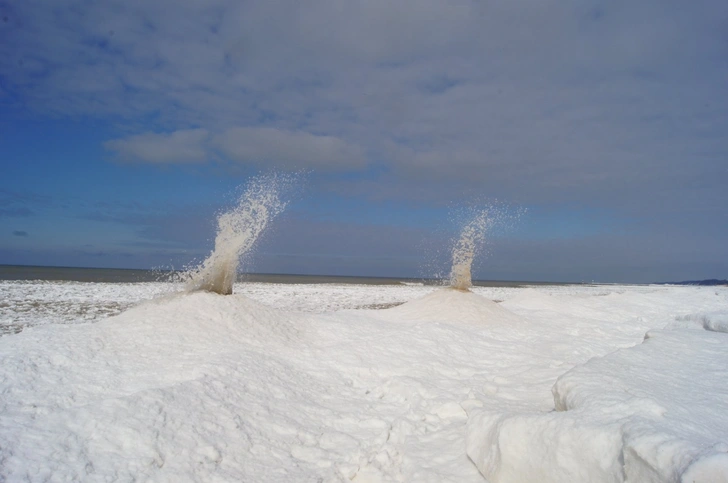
x: 126, y: 125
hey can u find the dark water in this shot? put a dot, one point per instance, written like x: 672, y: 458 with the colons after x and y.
x: 20, y: 272
x: 118, y: 275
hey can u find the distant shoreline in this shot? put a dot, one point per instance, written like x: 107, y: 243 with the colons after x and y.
x: 137, y: 275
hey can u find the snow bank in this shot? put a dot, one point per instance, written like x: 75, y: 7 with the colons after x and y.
x: 202, y: 387
x: 652, y: 413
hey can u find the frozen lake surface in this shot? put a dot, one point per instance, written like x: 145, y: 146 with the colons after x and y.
x: 342, y: 382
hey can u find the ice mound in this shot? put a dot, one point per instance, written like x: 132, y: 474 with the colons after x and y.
x: 179, y: 383
x: 208, y: 315
x: 453, y: 306
x: 646, y: 414
x: 159, y: 342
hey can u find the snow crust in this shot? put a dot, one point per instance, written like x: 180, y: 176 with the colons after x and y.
x: 319, y: 383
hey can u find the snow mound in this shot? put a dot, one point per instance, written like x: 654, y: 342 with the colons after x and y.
x: 172, y: 390
x: 208, y: 315
x: 645, y: 414
x: 161, y: 342
x: 452, y: 306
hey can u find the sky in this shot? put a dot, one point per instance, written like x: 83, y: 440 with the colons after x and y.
x: 600, y: 130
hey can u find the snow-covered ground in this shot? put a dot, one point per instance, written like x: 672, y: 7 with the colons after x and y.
x: 363, y: 382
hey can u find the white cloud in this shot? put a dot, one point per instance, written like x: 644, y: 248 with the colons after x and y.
x: 186, y: 146
x: 288, y: 149
x: 264, y: 147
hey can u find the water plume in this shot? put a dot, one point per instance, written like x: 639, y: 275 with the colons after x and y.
x: 238, y: 230
x: 466, y: 247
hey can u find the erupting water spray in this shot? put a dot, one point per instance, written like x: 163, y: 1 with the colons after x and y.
x: 470, y: 242
x: 238, y: 230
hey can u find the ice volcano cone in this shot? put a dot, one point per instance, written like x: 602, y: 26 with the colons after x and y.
x: 465, y: 249
x: 238, y: 230
x: 458, y: 307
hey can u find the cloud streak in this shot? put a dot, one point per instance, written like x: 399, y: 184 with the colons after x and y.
x: 184, y: 146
